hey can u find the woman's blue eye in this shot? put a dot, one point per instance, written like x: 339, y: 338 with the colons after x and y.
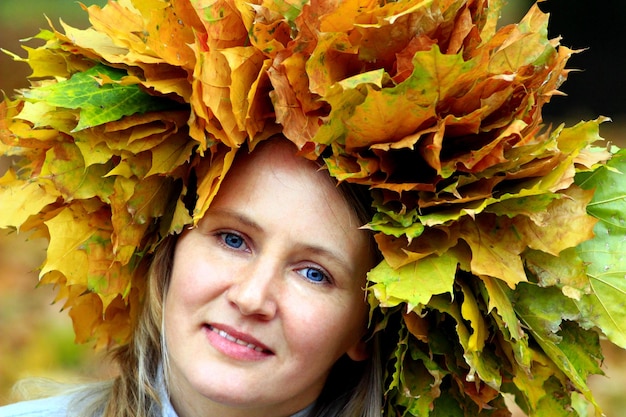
x: 314, y: 275
x: 233, y: 240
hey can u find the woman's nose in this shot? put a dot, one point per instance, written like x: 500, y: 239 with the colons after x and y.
x: 254, y: 292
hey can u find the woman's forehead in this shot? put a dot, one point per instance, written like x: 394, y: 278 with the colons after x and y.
x: 277, y: 158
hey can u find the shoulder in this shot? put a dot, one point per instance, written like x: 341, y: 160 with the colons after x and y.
x: 307, y: 412
x: 48, y: 407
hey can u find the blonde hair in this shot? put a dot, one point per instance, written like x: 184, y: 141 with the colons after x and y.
x: 136, y: 391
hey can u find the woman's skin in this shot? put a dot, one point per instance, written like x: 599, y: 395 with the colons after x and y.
x: 266, y: 294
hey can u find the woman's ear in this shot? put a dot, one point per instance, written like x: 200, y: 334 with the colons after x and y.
x: 360, y: 351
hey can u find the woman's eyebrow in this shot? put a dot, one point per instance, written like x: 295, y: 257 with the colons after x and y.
x: 331, y: 255
x: 237, y: 216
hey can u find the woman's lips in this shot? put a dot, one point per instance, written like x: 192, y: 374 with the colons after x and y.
x: 236, y: 344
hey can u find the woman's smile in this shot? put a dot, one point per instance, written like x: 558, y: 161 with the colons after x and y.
x: 234, y: 344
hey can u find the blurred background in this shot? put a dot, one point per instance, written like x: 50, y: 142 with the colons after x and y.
x: 37, y: 340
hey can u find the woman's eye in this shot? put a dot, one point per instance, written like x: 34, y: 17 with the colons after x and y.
x: 314, y: 274
x: 232, y: 240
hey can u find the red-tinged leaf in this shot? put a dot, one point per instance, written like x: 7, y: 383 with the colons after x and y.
x: 223, y: 23
x: 429, y: 103
x: 298, y: 126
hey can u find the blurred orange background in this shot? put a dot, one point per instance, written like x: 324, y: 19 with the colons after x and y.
x: 38, y: 341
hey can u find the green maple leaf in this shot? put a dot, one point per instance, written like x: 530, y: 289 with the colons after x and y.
x: 605, y: 306
x: 394, y: 286
x: 550, y: 319
x: 98, y: 103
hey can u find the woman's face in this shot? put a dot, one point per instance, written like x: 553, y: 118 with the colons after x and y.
x: 267, y: 292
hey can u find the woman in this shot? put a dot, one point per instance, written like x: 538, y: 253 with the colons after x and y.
x: 279, y: 301
x: 249, y: 312
x: 478, y: 209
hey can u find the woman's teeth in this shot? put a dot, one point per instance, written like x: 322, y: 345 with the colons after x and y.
x: 234, y: 339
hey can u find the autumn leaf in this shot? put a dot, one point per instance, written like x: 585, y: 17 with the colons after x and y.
x: 171, y: 154
x: 496, y: 249
x: 18, y: 206
x: 604, y: 305
x: 98, y: 103
x: 500, y: 298
x: 65, y: 168
x: 568, y: 347
x: 566, y: 271
x: 568, y: 223
x: 408, y: 284
x: 164, y: 35
x: 480, y: 363
x: 400, y: 251
x: 70, y: 230
x: 470, y: 311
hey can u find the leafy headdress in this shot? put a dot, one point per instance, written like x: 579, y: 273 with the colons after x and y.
x: 491, y: 282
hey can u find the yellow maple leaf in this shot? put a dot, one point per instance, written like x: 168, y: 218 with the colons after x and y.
x: 17, y: 207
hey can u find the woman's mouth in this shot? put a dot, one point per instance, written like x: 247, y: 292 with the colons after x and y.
x: 234, y: 339
x: 235, y: 344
